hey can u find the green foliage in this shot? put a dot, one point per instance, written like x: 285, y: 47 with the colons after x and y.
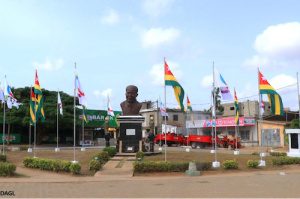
x: 7, y: 169
x: 103, y: 156
x: 111, y: 150
x: 160, y: 166
x: 295, y: 124
x: 95, y: 165
x: 75, y: 168
x: 286, y: 139
x: 140, y: 154
x: 285, y: 160
x: 230, y: 164
x: 47, y: 164
x: 277, y: 154
x: 203, y: 165
x: 252, y: 163
x: 255, y: 153
x: 2, y: 158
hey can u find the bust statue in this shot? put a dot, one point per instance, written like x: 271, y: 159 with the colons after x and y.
x: 131, y: 106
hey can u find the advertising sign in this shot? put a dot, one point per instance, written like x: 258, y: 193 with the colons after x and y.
x: 97, y: 117
x: 244, y: 121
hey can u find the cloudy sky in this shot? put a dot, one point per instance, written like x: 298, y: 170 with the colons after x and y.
x: 117, y: 43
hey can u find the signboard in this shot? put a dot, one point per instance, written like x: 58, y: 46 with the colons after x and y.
x: 14, y: 138
x: 97, y: 117
x: 225, y: 122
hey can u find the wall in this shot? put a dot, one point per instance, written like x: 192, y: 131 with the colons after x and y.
x: 270, y: 125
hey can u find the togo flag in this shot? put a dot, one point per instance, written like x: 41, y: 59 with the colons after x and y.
x: 40, y: 99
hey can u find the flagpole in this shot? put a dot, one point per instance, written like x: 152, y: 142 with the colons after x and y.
x: 262, y: 163
x: 235, y: 126
x: 212, y: 117
x: 187, y: 115
x: 3, y: 138
x: 298, y: 98
x: 82, y: 128
x: 35, y: 119
x: 216, y: 163
x: 74, y: 120
x: 166, y: 111
x: 57, y: 121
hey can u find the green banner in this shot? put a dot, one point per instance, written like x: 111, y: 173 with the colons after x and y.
x: 14, y: 138
x: 96, y: 118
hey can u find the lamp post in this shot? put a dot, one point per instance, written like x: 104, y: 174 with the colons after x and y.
x: 107, y: 136
x: 151, y: 134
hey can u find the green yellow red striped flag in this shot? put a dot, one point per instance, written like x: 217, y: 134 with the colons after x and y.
x: 32, y: 109
x: 40, y: 99
x: 170, y: 80
x: 274, y: 98
x: 189, y: 107
x: 237, y: 109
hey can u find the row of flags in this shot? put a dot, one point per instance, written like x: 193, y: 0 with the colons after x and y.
x: 264, y: 88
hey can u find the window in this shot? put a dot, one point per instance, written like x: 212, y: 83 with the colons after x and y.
x: 245, y: 135
x: 232, y: 108
x: 175, y: 117
x: 165, y: 117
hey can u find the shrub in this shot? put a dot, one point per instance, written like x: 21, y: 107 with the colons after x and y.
x: 47, y: 164
x: 255, y: 153
x: 278, y: 154
x: 65, y: 166
x: 95, y: 165
x: 111, y: 150
x: 7, y: 169
x: 140, y: 154
x: 2, y: 158
x: 281, y: 160
x: 30, y: 162
x: 75, y: 168
x: 203, y: 165
x: 252, y: 163
x: 160, y: 166
x: 103, y: 156
x: 230, y: 164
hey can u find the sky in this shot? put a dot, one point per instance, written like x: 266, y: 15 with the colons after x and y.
x: 118, y: 43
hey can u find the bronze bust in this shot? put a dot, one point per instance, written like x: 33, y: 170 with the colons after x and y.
x: 131, y: 106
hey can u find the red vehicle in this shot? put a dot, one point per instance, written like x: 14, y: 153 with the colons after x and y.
x: 172, y: 138
x: 225, y: 142
x: 201, y: 140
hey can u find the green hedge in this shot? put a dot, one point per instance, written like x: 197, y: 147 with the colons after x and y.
x: 230, y: 164
x: 252, y: 163
x: 7, y: 169
x: 161, y: 166
x: 140, y: 154
x: 2, y: 158
x: 51, y: 165
x: 285, y: 160
x: 110, y: 150
x: 278, y: 154
x: 103, y: 156
x: 95, y: 165
x: 75, y: 168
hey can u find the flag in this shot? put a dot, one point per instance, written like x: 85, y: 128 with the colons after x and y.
x: 39, y: 100
x: 32, y: 110
x: 170, y: 80
x: 59, y: 103
x: 274, y: 98
x: 163, y: 110
x: 9, y: 103
x: 213, y: 111
x: 85, y: 114
x: 7, y: 90
x: 220, y: 82
x: 109, y: 110
x: 262, y: 106
x: 189, y: 107
x: 2, y: 97
x: 237, y: 109
x: 80, y: 93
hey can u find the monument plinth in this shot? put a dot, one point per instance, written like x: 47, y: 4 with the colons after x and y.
x: 130, y: 139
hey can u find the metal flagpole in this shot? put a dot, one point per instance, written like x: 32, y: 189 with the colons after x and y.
x: 212, y: 117
x: 166, y: 112
x: 215, y: 112
x: 3, y: 138
x: 74, y: 119
x: 35, y: 119
x: 187, y: 116
x: 29, y: 135
x: 57, y: 121
x: 235, y: 126
x: 298, y: 97
x: 260, y: 123
x: 82, y: 128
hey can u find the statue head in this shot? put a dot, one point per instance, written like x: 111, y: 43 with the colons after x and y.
x: 131, y: 93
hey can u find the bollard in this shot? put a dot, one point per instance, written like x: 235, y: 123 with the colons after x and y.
x: 192, y: 170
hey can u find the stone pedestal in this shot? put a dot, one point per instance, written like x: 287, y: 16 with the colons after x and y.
x: 294, y: 142
x: 130, y: 134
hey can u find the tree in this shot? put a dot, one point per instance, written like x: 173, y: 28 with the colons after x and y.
x: 218, y: 105
x: 295, y: 124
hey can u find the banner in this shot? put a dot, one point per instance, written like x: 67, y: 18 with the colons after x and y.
x: 14, y: 138
x: 96, y: 118
x: 244, y: 121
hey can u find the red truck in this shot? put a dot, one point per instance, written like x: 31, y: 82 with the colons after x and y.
x: 172, y: 138
x: 193, y: 140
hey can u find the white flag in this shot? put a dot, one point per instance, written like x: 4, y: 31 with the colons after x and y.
x: 163, y: 110
x: 9, y: 103
x: 109, y: 110
x: 262, y: 106
x: 213, y: 110
x: 80, y: 93
x: 220, y: 83
x: 59, y: 103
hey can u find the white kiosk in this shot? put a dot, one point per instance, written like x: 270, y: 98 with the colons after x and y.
x: 294, y: 142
